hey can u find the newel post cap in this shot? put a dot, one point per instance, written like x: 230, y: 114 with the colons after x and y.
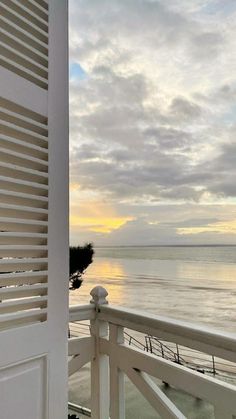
x: 99, y: 295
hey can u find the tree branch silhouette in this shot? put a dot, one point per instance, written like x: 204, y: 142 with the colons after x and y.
x: 80, y: 258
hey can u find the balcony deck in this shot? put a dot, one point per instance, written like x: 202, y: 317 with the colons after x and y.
x: 112, y: 357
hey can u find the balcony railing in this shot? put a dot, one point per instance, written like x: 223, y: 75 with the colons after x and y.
x: 112, y: 356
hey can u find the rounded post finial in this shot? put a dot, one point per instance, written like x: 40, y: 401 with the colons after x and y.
x: 99, y: 295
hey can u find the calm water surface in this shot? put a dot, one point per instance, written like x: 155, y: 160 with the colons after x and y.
x: 196, y: 284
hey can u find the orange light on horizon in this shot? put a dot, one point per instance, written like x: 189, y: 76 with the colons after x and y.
x: 99, y: 224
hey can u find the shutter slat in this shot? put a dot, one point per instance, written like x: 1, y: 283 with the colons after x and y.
x: 22, y: 120
x: 17, y: 57
x: 33, y: 117
x: 23, y: 36
x: 27, y: 14
x: 13, y: 238
x: 17, y: 211
x: 36, y: 8
x: 21, y: 251
x: 19, y: 198
x: 17, y: 319
x: 22, y: 305
x: 24, y: 101
x: 17, y: 44
x: 21, y: 225
x: 23, y: 147
x: 23, y: 292
x: 18, y: 172
x: 23, y: 72
x: 11, y: 130
x: 24, y: 186
x: 43, y: 3
x: 23, y: 264
x: 23, y: 278
x: 10, y: 13
x: 23, y: 162
x: 19, y: 159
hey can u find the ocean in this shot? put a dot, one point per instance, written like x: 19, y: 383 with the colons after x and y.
x: 197, y: 283
x: 193, y: 283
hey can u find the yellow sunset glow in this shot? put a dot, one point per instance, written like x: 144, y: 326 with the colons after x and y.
x: 99, y: 224
x: 97, y: 216
x: 74, y: 186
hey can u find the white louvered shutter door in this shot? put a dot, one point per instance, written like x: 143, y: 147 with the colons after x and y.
x: 33, y: 209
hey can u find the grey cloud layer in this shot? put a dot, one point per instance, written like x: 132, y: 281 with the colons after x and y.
x: 154, y: 117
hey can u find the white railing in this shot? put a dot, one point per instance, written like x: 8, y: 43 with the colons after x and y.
x: 111, y: 358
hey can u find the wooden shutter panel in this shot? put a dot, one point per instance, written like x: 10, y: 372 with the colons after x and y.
x: 33, y: 208
x: 23, y: 168
x: 24, y: 39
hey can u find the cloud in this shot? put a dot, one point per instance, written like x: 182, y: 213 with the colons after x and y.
x: 153, y: 111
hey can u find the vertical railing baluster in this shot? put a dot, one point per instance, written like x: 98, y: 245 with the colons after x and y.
x: 177, y: 352
x: 150, y: 344
x: 213, y: 365
x: 100, y: 396
x: 162, y: 351
x: 117, y: 386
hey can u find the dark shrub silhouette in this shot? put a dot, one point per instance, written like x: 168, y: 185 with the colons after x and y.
x: 80, y: 258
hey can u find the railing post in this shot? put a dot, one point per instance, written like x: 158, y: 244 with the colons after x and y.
x: 177, y: 351
x: 100, y: 398
x: 117, y: 390
x: 213, y: 365
x: 150, y: 344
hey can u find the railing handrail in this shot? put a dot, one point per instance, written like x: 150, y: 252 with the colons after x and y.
x: 201, y: 338
x: 82, y: 312
x: 110, y: 356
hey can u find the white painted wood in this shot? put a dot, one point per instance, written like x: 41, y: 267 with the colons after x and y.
x: 20, y: 133
x: 78, y: 345
x: 58, y: 219
x: 99, y: 374
x: 33, y: 209
x: 99, y: 295
x: 117, y: 385
x: 23, y: 93
x: 82, y: 312
x: 100, y: 397
x: 23, y: 291
x: 139, y: 366
x: 29, y: 14
x: 18, y: 44
x: 135, y: 362
x: 158, y: 400
x: 10, y: 12
x: 23, y: 173
x: 24, y: 147
x: 201, y: 338
x: 197, y: 384
x: 21, y: 318
x: 82, y: 351
x: 21, y: 381
x: 23, y: 278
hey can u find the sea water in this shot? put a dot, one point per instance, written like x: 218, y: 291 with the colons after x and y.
x: 193, y: 283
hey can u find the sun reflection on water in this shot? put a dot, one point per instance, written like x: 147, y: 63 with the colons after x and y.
x: 108, y: 273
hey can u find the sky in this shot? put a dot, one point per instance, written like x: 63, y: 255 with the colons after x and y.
x: 152, y: 122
